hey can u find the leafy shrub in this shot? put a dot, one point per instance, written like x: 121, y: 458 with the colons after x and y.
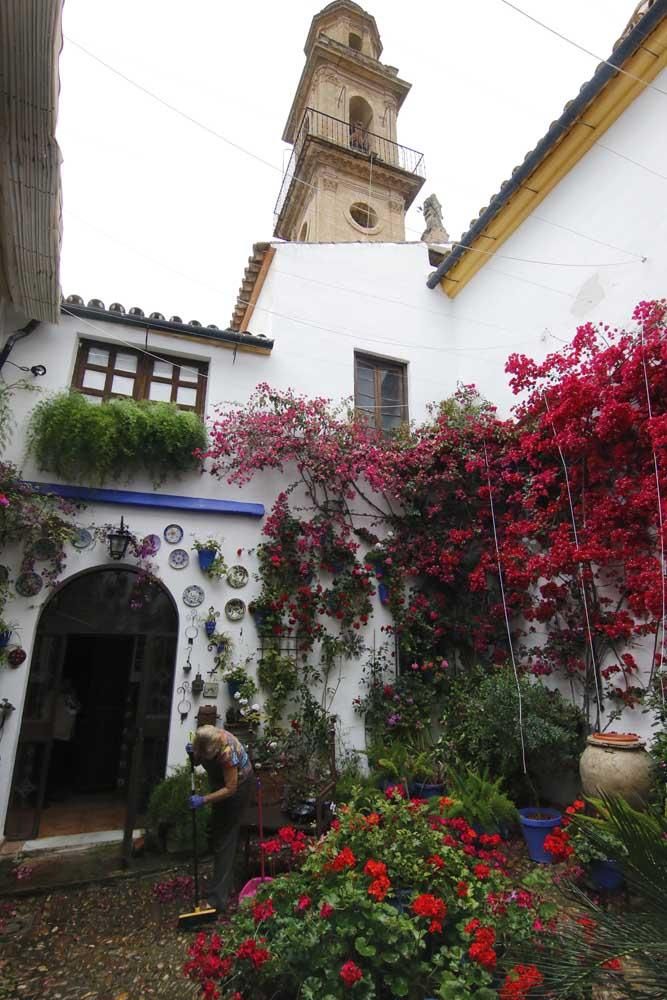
x: 481, y: 728
x: 383, y: 907
x: 481, y: 800
x: 82, y: 441
x: 169, y: 816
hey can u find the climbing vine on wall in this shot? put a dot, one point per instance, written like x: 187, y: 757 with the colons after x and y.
x: 575, y: 477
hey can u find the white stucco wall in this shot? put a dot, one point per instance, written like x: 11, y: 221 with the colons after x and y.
x: 321, y: 302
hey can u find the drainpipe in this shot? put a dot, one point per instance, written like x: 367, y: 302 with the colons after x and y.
x: 14, y: 338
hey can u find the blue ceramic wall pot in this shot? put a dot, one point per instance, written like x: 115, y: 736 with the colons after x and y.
x: 5, y: 637
x: 209, y: 626
x: 535, y: 825
x: 383, y: 593
x: 206, y: 558
x: 606, y: 875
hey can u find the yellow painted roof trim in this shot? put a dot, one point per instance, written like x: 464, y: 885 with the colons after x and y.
x: 649, y: 59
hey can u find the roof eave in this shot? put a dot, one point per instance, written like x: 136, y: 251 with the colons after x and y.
x: 557, y: 131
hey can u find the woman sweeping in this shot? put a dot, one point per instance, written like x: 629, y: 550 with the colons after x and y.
x: 230, y: 772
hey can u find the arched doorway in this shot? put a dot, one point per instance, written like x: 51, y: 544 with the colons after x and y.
x: 95, y: 724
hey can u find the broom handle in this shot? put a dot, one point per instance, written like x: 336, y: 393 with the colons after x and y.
x: 195, y: 855
x: 260, y: 824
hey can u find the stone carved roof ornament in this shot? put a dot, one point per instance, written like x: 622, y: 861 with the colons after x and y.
x: 435, y: 231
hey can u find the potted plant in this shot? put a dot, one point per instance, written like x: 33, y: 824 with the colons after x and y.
x: 428, y: 768
x: 6, y: 629
x: 211, y: 559
x: 481, y: 801
x: 596, y: 846
x: 537, y: 826
x: 210, y: 621
x: 239, y: 681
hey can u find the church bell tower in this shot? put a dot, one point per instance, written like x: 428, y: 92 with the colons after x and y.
x: 348, y: 179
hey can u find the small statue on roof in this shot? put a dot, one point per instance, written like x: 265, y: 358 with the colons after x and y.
x: 435, y: 231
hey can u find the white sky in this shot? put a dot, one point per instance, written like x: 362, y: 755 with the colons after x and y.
x: 159, y: 214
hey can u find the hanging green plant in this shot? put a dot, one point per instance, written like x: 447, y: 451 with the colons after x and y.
x: 84, y: 442
x: 211, y: 560
x: 278, y: 674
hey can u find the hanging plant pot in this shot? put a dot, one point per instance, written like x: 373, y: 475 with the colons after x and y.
x: 383, y: 593
x: 606, y: 874
x: 206, y: 559
x: 233, y: 687
x: 15, y: 657
x: 209, y: 627
x: 536, y: 824
x: 5, y: 637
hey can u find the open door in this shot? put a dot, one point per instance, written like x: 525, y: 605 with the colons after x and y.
x: 36, y: 739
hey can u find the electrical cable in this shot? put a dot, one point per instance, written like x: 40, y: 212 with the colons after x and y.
x: 585, y: 236
x: 582, y: 48
x: 507, y: 620
x: 629, y: 159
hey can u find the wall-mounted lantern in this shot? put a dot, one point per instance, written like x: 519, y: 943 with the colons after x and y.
x: 118, y: 540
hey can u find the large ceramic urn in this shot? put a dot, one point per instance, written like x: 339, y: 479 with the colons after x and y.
x: 616, y: 764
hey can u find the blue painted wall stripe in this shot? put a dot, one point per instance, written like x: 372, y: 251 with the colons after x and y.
x: 168, y: 501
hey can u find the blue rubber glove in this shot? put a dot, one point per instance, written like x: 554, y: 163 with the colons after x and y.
x: 196, y: 801
x: 189, y: 748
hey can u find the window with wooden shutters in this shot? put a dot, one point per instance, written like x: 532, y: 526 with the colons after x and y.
x: 106, y: 371
x: 380, y: 391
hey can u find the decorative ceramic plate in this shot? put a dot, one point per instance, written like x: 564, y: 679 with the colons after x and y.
x: 173, y: 534
x: 82, y: 538
x: 28, y: 584
x: 44, y: 548
x: 237, y: 576
x: 193, y: 596
x: 235, y: 609
x: 152, y: 544
x: 178, y: 559
x: 4, y: 575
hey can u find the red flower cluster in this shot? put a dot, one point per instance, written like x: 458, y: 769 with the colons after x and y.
x: 431, y: 907
x: 519, y: 981
x: 287, y: 839
x: 263, y: 910
x: 344, y: 859
x: 304, y: 903
x: 350, y: 973
x: 481, y: 950
x: 396, y: 792
x: 249, y: 950
x: 557, y: 844
x: 205, y: 963
x: 436, y: 861
x: 380, y: 885
x: 326, y: 910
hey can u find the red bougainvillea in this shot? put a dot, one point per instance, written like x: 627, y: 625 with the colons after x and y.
x: 576, y: 476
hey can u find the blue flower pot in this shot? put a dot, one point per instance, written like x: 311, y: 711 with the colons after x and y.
x: 606, y: 875
x: 383, y: 593
x: 535, y: 830
x: 5, y: 637
x: 206, y: 559
x: 209, y: 626
x: 425, y: 789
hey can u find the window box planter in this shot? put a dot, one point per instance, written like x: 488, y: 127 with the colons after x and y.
x: 535, y: 825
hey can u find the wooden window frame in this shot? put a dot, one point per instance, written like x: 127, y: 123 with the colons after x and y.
x: 143, y: 375
x: 379, y: 365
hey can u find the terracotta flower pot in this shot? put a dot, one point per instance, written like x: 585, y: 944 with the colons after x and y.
x: 616, y: 764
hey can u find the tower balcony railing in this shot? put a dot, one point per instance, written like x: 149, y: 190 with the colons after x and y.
x: 352, y: 137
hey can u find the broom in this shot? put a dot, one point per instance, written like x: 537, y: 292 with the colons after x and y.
x: 199, y: 914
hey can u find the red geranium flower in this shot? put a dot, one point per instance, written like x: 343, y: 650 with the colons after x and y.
x: 436, y: 861
x: 379, y: 888
x: 519, y: 981
x: 344, y: 859
x: 482, y: 871
x: 263, y: 910
x: 375, y: 868
x: 462, y: 889
x: 303, y: 903
x: 326, y: 910
x: 350, y: 973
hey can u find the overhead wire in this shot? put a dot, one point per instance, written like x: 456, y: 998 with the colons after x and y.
x: 582, y: 48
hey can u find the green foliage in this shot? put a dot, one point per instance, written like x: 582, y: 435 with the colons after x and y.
x: 169, y: 813
x: 481, y: 728
x: 278, y: 674
x: 481, y: 800
x: 638, y: 936
x: 81, y: 441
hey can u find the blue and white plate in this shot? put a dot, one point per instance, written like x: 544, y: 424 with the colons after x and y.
x: 173, y: 534
x: 193, y: 596
x: 28, y: 584
x: 178, y: 559
x: 235, y: 609
x: 237, y: 576
x: 82, y: 538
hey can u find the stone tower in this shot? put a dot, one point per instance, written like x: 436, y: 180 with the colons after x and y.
x: 347, y: 179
